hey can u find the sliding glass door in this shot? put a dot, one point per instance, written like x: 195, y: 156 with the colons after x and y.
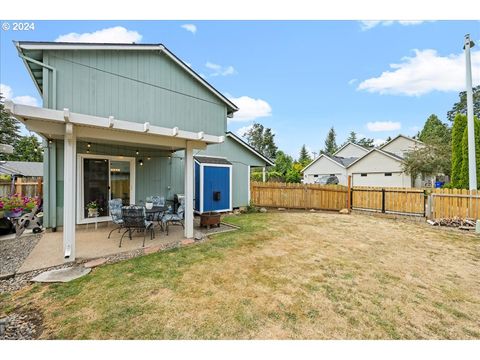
x: 100, y: 179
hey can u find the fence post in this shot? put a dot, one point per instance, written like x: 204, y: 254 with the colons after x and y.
x: 383, y: 200
x: 18, y: 185
x: 40, y: 187
x: 349, y: 193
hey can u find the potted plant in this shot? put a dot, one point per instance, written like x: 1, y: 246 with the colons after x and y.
x: 149, y: 202
x: 92, y: 208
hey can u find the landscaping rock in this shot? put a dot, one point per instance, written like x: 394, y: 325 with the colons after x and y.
x: 198, y: 236
x: 152, y: 249
x: 6, y: 276
x: 281, y: 209
x: 312, y: 210
x: 62, y: 275
x: 95, y: 263
x: 263, y: 210
x: 344, y: 211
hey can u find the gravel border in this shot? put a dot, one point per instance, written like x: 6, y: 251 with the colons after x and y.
x: 13, y: 252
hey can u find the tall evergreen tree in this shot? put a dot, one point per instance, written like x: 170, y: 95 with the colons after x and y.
x: 458, y: 128
x: 304, y: 159
x: 330, y: 143
x: 435, y: 131
x: 460, y: 107
x: 262, y: 139
x: 28, y: 149
x: 283, y: 162
x: 9, y: 130
x: 352, y: 137
x: 464, y: 174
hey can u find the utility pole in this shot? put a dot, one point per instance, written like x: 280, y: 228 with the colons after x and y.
x: 472, y: 162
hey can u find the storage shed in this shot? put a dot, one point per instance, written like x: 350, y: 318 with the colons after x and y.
x: 213, y: 184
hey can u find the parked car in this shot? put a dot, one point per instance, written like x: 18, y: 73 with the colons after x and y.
x: 327, y: 180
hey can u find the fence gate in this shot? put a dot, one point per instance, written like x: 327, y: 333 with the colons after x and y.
x: 403, y: 201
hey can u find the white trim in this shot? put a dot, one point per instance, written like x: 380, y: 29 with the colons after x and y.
x: 371, y: 151
x: 211, y: 156
x: 69, y: 186
x: 350, y: 143
x: 26, y: 112
x: 318, y: 158
x: 81, y: 186
x: 149, y: 47
x: 201, y: 188
x: 399, y: 136
x: 245, y: 145
x: 188, y: 190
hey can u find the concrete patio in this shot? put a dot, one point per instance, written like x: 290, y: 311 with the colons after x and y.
x: 94, y: 243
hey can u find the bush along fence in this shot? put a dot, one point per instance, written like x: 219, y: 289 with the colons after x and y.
x: 430, y: 203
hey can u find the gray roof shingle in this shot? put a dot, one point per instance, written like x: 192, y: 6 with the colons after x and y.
x: 21, y: 168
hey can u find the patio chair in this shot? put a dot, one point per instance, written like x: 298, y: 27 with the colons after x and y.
x: 134, y: 218
x: 174, y: 219
x: 158, y: 200
x: 115, y: 206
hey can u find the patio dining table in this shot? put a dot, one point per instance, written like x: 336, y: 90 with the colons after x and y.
x: 156, y: 212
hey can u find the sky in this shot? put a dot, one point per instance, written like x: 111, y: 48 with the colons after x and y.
x: 299, y: 78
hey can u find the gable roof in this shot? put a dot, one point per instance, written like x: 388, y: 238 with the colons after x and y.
x: 350, y: 143
x: 383, y: 152
x: 21, y: 168
x: 336, y: 159
x: 249, y: 147
x: 399, y: 136
x: 34, y: 50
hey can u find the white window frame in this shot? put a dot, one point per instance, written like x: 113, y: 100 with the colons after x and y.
x: 81, y: 186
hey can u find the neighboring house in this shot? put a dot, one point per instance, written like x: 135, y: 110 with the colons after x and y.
x: 124, y: 121
x: 324, y: 165
x: 21, y: 168
x: 382, y: 166
x: 29, y: 172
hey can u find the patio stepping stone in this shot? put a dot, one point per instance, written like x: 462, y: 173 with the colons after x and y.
x: 95, y: 263
x: 62, y: 275
x: 152, y: 249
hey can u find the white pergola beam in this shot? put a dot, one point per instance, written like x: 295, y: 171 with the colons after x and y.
x: 25, y: 113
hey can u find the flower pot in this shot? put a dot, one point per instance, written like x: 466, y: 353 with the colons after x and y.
x: 92, y: 212
x: 13, y: 213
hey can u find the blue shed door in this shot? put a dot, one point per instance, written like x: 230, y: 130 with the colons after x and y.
x: 216, y: 188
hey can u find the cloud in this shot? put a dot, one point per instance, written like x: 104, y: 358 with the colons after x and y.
x: 370, y: 24
x: 190, y: 27
x: 219, y: 70
x: 422, y: 73
x: 383, y: 126
x: 7, y: 93
x: 244, y: 129
x: 250, y: 108
x: 378, y: 142
x: 117, y: 34
x: 352, y: 81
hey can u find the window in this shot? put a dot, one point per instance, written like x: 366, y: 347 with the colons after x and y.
x: 315, y: 175
x: 332, y: 174
x: 388, y: 174
x: 363, y: 174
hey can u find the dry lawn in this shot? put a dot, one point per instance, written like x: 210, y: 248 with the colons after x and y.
x: 283, y: 276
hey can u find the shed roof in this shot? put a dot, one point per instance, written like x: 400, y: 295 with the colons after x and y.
x: 249, y: 147
x: 21, y: 168
x: 212, y: 160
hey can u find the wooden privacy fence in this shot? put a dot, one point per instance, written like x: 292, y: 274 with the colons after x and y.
x: 408, y: 201
x: 299, y: 196
x: 30, y: 186
x: 431, y: 203
x: 449, y: 203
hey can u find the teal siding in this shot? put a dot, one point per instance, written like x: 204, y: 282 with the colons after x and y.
x: 137, y: 86
x: 161, y: 175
